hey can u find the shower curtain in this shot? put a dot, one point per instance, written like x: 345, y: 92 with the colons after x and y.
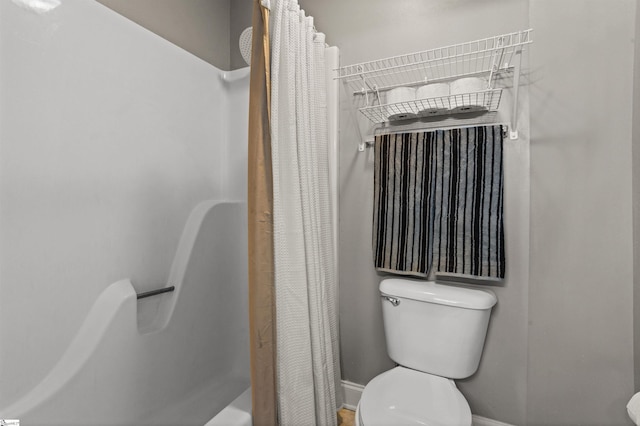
x: 305, y: 278
x: 260, y: 229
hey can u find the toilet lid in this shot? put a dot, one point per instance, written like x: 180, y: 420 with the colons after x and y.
x: 407, y: 397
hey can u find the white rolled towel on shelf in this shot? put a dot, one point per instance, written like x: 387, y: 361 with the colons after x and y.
x: 633, y: 408
x: 432, y: 99
x: 465, y: 96
x: 401, y: 103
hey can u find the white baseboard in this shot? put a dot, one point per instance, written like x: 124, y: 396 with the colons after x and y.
x: 351, y: 396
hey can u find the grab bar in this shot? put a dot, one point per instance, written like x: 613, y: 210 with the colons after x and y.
x: 154, y: 292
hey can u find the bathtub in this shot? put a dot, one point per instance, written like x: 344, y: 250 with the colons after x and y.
x: 177, y: 358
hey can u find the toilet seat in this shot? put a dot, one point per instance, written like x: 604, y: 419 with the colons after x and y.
x: 402, y: 396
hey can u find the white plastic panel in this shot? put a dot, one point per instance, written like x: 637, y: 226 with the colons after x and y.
x: 109, y: 136
x: 185, y: 368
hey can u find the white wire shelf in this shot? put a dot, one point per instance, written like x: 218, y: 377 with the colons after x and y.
x: 441, y: 64
x: 484, y: 58
x: 486, y: 100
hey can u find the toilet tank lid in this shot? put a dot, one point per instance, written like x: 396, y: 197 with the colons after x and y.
x: 429, y: 291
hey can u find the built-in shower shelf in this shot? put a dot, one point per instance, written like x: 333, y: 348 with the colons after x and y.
x: 487, y: 59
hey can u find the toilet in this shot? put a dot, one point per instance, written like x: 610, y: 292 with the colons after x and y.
x: 435, y: 333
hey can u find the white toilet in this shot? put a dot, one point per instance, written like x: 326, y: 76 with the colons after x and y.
x: 436, y: 334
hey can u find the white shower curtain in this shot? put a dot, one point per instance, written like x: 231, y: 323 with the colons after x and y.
x: 308, y: 373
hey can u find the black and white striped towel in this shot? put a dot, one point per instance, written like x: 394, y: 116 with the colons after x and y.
x: 438, y: 203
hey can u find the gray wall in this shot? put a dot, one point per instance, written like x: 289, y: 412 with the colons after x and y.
x: 367, y: 30
x: 560, y: 345
x: 209, y: 29
x: 201, y: 27
x: 580, y: 368
x: 241, y: 13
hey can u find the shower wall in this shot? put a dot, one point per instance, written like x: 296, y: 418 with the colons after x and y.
x: 109, y: 136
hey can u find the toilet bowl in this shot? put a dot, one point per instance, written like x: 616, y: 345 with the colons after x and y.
x: 402, y: 396
x: 436, y: 334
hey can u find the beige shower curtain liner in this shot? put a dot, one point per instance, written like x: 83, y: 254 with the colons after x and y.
x: 260, y: 209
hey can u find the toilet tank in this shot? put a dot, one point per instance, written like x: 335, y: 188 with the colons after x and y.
x: 436, y: 328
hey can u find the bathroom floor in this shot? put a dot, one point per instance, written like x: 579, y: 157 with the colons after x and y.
x: 346, y: 417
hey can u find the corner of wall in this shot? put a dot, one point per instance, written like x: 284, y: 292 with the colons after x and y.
x: 635, y: 148
x: 240, y: 17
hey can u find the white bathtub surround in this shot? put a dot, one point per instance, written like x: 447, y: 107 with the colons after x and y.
x: 238, y: 413
x: 183, y: 365
x: 38, y: 6
x: 110, y: 136
x: 305, y: 268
